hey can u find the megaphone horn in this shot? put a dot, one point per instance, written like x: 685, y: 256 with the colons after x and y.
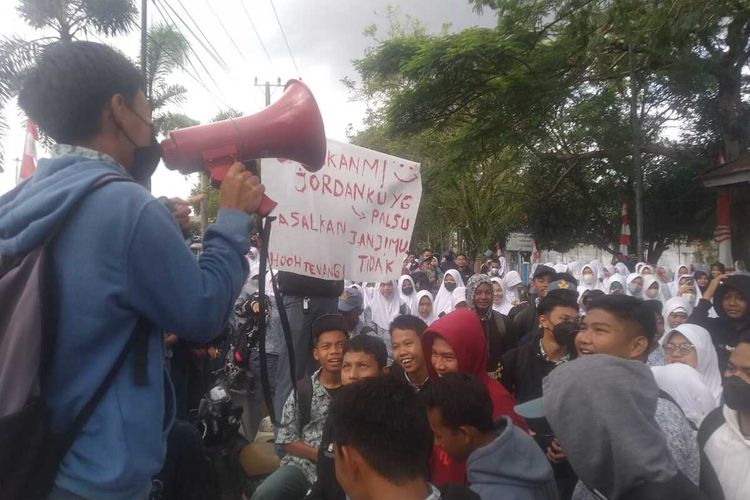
x: 291, y: 128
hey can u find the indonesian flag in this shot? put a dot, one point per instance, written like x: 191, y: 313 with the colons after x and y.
x: 625, y: 230
x: 28, y: 164
x: 535, y: 255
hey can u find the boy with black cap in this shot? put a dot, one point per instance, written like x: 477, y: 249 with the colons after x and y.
x: 526, y: 319
x: 301, y: 439
x: 524, y: 368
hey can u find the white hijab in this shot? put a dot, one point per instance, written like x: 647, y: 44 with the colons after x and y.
x: 621, y: 268
x: 598, y: 269
x: 432, y: 316
x: 708, y: 361
x: 648, y: 281
x: 512, y: 280
x: 629, y: 280
x: 458, y: 296
x: 505, y: 305
x: 444, y: 299
x: 384, y: 310
x: 583, y: 287
x: 671, y: 306
x: 615, y: 278
x: 687, y: 388
x: 409, y: 300
x: 675, y: 289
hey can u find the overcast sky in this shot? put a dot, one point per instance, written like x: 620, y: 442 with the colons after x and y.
x: 324, y: 37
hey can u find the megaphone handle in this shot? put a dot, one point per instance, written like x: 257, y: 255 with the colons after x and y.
x: 266, y: 206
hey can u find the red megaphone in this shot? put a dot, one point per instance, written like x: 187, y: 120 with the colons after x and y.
x: 291, y: 128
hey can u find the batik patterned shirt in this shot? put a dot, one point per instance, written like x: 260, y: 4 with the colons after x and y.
x: 312, y: 433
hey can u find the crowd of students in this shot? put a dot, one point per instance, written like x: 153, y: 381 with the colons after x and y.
x: 581, y: 389
x: 596, y: 382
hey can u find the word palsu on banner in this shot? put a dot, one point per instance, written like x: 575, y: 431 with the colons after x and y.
x: 353, y: 219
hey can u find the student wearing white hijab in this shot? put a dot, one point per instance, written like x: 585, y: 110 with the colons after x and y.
x: 652, y: 288
x: 444, y: 298
x: 598, y: 270
x: 685, y: 385
x: 574, y: 268
x: 622, y: 269
x: 385, y: 305
x: 634, y: 285
x: 407, y: 293
x: 588, y: 279
x: 615, y: 285
x: 646, y: 270
x: 692, y: 345
x: 609, y: 270
x: 685, y: 286
x: 458, y: 298
x: 500, y: 302
x: 425, y: 307
x: 513, y: 284
x: 676, y: 311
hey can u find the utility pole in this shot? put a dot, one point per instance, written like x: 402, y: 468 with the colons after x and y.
x: 144, y: 37
x: 637, y: 169
x: 267, y: 86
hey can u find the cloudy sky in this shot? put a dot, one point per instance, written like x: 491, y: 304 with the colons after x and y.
x: 324, y: 36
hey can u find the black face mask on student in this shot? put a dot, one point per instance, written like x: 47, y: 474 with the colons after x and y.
x: 449, y: 286
x: 407, y: 290
x: 737, y: 394
x: 565, y: 332
x: 145, y: 158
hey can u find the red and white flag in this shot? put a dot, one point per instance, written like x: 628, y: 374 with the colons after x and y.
x: 28, y: 163
x: 625, y: 230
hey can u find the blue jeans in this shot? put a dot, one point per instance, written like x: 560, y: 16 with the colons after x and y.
x: 287, y: 483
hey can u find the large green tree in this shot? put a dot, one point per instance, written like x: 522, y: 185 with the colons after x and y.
x: 581, y: 95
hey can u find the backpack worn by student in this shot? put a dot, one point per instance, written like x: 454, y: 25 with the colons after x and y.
x: 30, y: 452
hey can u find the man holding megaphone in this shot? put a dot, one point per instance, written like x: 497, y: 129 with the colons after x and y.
x: 123, y: 274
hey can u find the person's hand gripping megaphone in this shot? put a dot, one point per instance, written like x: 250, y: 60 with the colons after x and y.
x: 241, y: 190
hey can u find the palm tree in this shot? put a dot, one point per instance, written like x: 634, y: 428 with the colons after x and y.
x: 66, y: 20
x: 166, y: 51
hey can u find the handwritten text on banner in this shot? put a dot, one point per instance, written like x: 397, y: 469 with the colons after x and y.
x: 353, y: 219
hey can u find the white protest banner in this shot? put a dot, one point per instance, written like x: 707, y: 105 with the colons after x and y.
x: 353, y: 219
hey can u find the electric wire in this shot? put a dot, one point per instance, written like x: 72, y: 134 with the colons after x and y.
x: 207, y: 46
x: 226, y: 32
x: 285, y: 40
x: 252, y: 24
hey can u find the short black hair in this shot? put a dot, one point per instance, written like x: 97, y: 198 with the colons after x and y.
x: 656, y: 306
x: 721, y: 266
x: 408, y: 322
x: 553, y: 300
x: 462, y: 400
x: 461, y: 254
x: 328, y: 323
x: 744, y: 337
x: 71, y: 84
x: 426, y: 250
x: 631, y: 310
x: 368, y: 345
x: 364, y: 412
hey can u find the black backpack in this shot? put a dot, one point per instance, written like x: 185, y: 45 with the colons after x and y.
x: 30, y: 452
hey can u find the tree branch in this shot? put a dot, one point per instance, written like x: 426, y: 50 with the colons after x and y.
x: 655, y: 149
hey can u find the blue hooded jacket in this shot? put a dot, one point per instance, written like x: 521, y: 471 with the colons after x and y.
x: 512, y: 467
x: 120, y: 256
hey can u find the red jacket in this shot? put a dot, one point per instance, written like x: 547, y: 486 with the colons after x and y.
x: 463, y: 331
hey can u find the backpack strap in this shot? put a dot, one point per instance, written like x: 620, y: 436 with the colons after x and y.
x: 304, y: 401
x: 710, y: 424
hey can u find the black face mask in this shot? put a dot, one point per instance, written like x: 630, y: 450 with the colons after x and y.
x: 737, y: 394
x: 449, y: 286
x: 145, y: 158
x: 565, y: 333
x: 407, y: 290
